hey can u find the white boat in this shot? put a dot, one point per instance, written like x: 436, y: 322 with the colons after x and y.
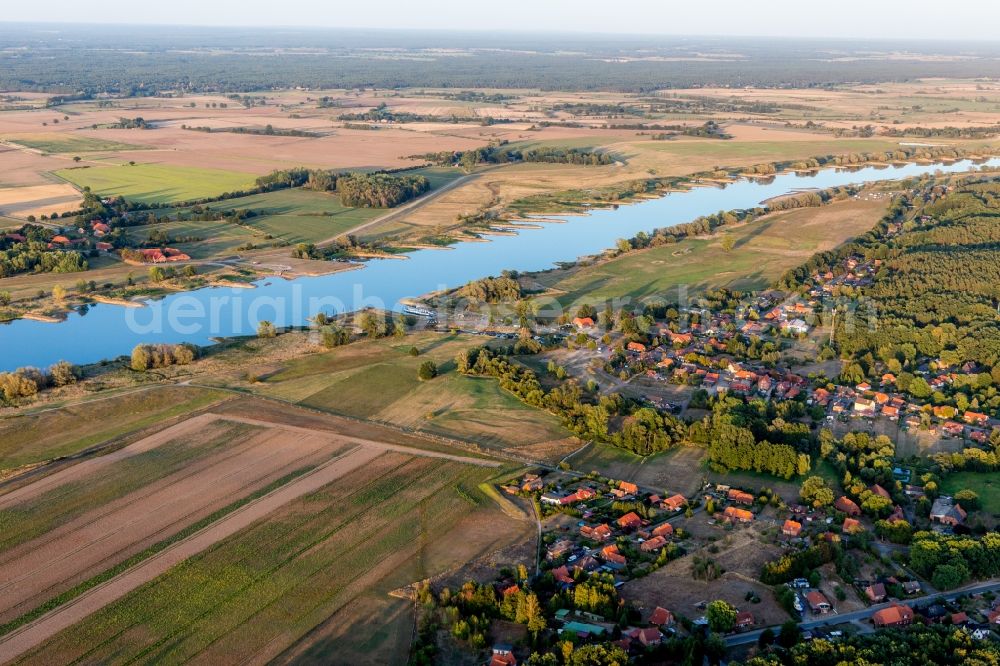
x: 420, y: 312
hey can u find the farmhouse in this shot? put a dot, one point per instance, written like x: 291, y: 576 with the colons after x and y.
x: 880, y: 491
x: 947, y: 512
x: 975, y: 418
x: 864, y: 406
x: 156, y: 256
x: 579, y: 496
x: 740, y: 497
x: 893, y: 616
x: 653, y: 545
x: 502, y: 655
x: 818, y: 603
x: 875, y: 592
x: 629, y: 521
x: 795, y: 327
x: 664, y: 530
x: 735, y: 515
x: 625, y: 489
x: 558, y: 549
x: 532, y: 483
x: 561, y: 574
x: 674, y: 503
x: 791, y: 528
x: 648, y: 636
x: 661, y: 617
x: 583, y: 323
x: 610, y: 554
x: 847, y: 505
x: 599, y: 533
x: 852, y: 526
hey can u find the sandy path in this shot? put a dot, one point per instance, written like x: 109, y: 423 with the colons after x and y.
x: 468, y: 460
x: 36, y: 570
x: 34, y: 633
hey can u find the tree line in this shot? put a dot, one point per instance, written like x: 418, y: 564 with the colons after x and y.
x: 502, y: 152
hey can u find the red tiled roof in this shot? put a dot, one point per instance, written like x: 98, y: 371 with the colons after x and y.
x: 851, y: 526
x: 630, y: 519
x: 666, y: 529
x: 791, y: 528
x: 661, y: 617
x: 847, y: 505
x: 892, y: 616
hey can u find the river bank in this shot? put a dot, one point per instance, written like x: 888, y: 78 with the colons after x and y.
x: 106, y: 331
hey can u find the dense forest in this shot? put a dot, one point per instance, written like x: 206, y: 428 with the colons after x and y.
x: 379, y: 189
x: 938, y: 290
x: 191, y: 59
x: 504, y: 153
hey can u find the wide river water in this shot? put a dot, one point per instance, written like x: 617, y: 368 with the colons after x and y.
x: 107, y: 331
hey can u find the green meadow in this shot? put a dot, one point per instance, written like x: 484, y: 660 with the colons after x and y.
x: 157, y: 183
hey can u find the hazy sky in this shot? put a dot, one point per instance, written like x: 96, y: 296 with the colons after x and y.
x: 972, y: 19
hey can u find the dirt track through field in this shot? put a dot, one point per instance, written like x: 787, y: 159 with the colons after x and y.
x: 31, y: 572
x: 33, y: 634
x: 93, y: 465
x: 41, y: 568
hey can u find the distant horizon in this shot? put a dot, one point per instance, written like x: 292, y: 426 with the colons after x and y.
x: 890, y: 20
x: 503, y: 31
x: 522, y: 32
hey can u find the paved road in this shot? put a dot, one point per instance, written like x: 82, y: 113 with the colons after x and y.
x: 827, y: 620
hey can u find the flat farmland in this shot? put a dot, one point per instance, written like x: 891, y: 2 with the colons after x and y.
x: 380, y: 378
x: 80, y: 521
x: 86, y: 518
x: 762, y: 251
x: 291, y: 215
x: 38, y: 199
x: 157, y: 183
x: 63, y: 142
x: 34, y: 438
x: 260, y: 591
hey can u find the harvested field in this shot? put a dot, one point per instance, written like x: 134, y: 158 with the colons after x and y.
x: 216, y: 467
x: 66, y: 431
x: 24, y: 167
x: 63, y: 142
x: 38, y: 199
x: 85, y: 520
x: 237, y: 601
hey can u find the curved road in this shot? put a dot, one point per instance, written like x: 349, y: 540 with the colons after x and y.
x: 826, y: 620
